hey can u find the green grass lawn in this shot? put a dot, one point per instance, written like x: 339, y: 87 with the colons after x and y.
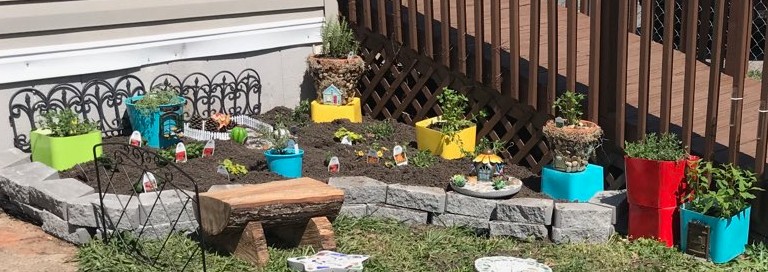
x: 394, y: 247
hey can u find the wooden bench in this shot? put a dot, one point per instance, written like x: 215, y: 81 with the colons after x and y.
x: 294, y: 211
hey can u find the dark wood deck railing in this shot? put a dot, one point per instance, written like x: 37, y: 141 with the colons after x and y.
x: 528, y: 51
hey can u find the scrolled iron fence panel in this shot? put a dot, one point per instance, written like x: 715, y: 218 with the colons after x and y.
x: 103, y: 102
x: 153, y: 215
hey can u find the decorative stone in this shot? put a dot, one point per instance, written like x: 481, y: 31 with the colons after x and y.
x: 360, y: 190
x: 430, y: 199
x: 121, y: 212
x: 53, y: 195
x: 221, y: 187
x: 402, y: 215
x: 58, y: 227
x: 518, y: 230
x: 617, y: 201
x: 582, y: 215
x: 578, y: 235
x: 525, y: 210
x: 328, y: 261
x: 15, y: 181
x: 470, y: 206
x: 12, y: 157
x: 504, y: 264
x: 82, y: 211
x: 169, y: 206
x: 455, y: 220
x: 354, y: 210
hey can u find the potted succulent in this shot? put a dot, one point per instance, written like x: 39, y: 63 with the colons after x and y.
x: 655, y: 170
x: 715, y: 223
x: 157, y: 115
x: 282, y: 159
x: 450, y: 135
x: 63, y: 140
x: 336, y: 71
x: 574, y: 140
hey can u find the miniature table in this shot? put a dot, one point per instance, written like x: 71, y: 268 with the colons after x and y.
x: 237, y: 219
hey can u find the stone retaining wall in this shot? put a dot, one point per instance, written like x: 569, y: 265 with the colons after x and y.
x: 69, y: 209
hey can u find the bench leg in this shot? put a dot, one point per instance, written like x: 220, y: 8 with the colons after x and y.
x: 248, y: 244
x: 319, y: 234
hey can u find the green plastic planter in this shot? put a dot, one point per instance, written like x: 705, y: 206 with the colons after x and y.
x: 62, y: 153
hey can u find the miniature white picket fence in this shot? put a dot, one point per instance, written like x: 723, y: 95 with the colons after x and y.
x: 202, y: 135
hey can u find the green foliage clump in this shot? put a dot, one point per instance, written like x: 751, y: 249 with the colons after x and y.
x: 499, y: 183
x: 338, y: 39
x: 277, y: 138
x: 65, y: 123
x: 233, y: 168
x: 732, y: 191
x: 459, y: 180
x: 157, y: 97
x: 663, y: 147
x: 194, y: 151
x: 485, y: 144
x: 300, y: 115
x: 569, y: 106
x: 422, y: 159
x: 755, y: 74
x: 454, y: 106
x: 380, y: 130
x: 352, y: 136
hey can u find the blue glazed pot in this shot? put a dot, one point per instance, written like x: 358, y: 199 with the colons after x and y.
x: 727, y: 236
x: 157, y: 134
x: 287, y: 165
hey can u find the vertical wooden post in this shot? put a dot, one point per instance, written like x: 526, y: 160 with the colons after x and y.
x: 514, y: 49
x: 741, y: 46
x: 479, y: 36
x: 572, y: 42
x: 533, y: 51
x: 445, y: 32
x: 645, y: 68
x: 715, y: 69
x: 689, y: 87
x: 397, y: 20
x: 595, y: 24
x: 608, y: 66
x: 461, y: 19
x: 496, y: 44
x: 545, y: 104
x: 428, y: 30
x: 666, y: 66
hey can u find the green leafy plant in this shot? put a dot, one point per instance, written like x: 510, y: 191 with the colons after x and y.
x: 658, y: 147
x: 733, y: 189
x: 338, y: 39
x: 755, y: 74
x: 459, y: 180
x: 352, y: 136
x: 454, y: 106
x: 157, y: 97
x: 499, y: 183
x: 233, y: 168
x: 194, y: 150
x: 65, y: 123
x: 422, y: 159
x: 569, y: 106
x: 300, y: 114
x: 485, y: 144
x: 380, y: 130
x: 277, y: 138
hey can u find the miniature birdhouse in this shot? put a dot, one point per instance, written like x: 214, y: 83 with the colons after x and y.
x: 332, y: 96
x: 487, y: 164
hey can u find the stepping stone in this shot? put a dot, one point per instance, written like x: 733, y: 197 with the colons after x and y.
x: 12, y: 157
x: 328, y: 261
x: 509, y: 264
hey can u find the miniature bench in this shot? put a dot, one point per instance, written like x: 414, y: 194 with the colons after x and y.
x: 236, y: 220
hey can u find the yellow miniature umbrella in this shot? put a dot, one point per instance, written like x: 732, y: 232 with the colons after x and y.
x: 488, y: 157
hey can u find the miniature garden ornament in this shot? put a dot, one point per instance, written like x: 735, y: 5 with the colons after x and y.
x: 486, y: 165
x: 573, y: 140
x: 372, y: 157
x: 149, y: 182
x: 181, y: 153
x: 135, y: 139
x: 221, y: 169
x: 334, y: 165
x: 398, y: 154
x: 238, y: 135
x: 345, y: 140
x: 209, y: 148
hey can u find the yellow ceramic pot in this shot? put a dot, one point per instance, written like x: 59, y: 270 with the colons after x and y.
x: 328, y: 113
x: 442, y: 145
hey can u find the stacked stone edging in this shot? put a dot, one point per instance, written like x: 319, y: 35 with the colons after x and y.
x: 522, y: 218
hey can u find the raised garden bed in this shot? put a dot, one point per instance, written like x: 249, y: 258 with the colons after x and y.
x: 317, y: 141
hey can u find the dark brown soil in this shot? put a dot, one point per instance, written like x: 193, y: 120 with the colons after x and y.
x: 318, y: 142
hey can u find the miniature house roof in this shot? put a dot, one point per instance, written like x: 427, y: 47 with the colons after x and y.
x: 332, y: 90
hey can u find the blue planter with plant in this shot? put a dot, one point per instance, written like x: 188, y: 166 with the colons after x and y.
x: 157, y: 116
x: 715, y: 223
x: 282, y: 159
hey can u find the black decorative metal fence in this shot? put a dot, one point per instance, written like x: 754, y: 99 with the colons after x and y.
x: 157, y: 214
x: 103, y: 101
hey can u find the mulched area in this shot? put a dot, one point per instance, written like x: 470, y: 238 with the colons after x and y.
x: 317, y: 141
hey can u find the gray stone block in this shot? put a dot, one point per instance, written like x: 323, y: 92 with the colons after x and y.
x: 430, y: 199
x: 32, y: 213
x: 53, y: 195
x: 221, y: 187
x: 471, y: 206
x: 577, y: 235
x: 525, y: 210
x: 58, y: 227
x: 360, y: 190
x: 354, y: 210
x: 582, y: 215
x: 455, y: 220
x: 160, y: 231
x: 169, y: 206
x: 403, y: 215
x: 617, y: 201
x: 518, y: 230
x: 82, y: 211
x: 121, y: 212
x: 15, y: 181
x: 12, y: 157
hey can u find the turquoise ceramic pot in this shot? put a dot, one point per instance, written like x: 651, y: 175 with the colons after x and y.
x: 287, y: 165
x: 727, y: 236
x: 156, y: 126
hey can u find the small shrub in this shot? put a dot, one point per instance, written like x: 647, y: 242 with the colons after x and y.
x: 338, y: 39
x: 732, y: 192
x: 65, y: 123
x: 663, y: 147
x: 499, y: 183
x: 352, y: 136
x: 300, y: 115
x: 454, y: 106
x: 569, y: 106
x: 422, y: 159
x: 155, y: 98
x: 380, y: 130
x: 233, y: 168
x: 277, y: 138
x: 459, y: 180
x: 485, y: 144
x: 755, y: 74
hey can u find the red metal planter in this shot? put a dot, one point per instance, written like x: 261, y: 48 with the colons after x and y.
x: 655, y: 184
x: 655, y: 223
